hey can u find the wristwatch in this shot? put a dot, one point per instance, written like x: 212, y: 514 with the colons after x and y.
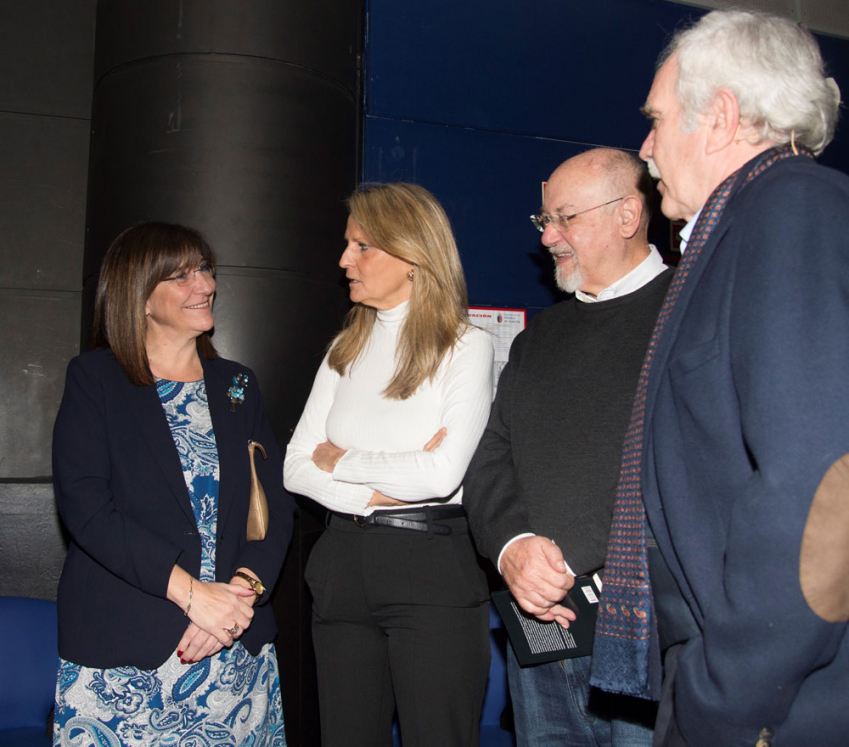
x: 256, y: 584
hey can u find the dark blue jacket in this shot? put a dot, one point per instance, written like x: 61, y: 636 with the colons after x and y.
x: 748, y: 407
x: 122, y: 497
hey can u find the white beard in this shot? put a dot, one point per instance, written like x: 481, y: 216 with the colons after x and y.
x: 569, y: 282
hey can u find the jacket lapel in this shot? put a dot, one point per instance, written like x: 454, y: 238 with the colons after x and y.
x: 143, y: 402
x: 229, y: 435
x: 673, y: 323
x: 651, y: 498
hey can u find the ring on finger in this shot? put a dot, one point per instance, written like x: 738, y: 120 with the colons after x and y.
x: 234, y: 630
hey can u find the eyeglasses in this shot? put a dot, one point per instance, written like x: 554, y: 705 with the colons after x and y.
x: 187, y: 277
x: 562, y: 221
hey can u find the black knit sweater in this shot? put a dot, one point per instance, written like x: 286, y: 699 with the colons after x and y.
x: 548, y: 462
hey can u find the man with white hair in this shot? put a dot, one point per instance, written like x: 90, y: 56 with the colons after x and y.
x: 738, y: 449
x: 540, y: 489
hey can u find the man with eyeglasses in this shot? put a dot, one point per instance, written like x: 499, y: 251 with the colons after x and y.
x: 738, y: 452
x: 540, y: 489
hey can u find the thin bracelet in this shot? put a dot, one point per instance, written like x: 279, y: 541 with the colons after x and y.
x: 189, y: 605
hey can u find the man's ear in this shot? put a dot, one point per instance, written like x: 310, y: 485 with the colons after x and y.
x: 723, y: 121
x: 630, y: 212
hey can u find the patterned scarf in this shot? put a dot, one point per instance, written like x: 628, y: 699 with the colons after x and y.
x: 626, y: 653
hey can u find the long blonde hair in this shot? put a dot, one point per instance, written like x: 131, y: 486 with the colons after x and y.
x: 407, y: 221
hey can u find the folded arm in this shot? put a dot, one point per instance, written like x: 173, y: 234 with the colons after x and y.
x: 425, y: 474
x: 407, y: 476
x: 300, y: 474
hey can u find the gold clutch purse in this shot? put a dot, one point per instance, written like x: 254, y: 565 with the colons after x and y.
x: 258, y: 505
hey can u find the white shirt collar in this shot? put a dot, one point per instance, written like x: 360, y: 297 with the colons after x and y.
x: 641, y: 275
x: 687, y: 231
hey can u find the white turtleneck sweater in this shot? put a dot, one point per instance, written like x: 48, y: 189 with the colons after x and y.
x: 384, y: 438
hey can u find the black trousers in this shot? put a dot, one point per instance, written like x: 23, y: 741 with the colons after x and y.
x: 400, y: 620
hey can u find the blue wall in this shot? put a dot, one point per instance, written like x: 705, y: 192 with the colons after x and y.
x: 478, y: 100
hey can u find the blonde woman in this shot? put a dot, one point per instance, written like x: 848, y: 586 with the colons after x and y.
x: 400, y: 614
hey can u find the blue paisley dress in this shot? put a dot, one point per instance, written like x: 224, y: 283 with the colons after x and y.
x: 231, y: 699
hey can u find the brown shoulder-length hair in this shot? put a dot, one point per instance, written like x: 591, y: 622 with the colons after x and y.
x: 407, y: 221
x: 136, y: 262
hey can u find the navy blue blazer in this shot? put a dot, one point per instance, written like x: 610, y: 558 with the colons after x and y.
x: 748, y: 407
x: 121, y: 495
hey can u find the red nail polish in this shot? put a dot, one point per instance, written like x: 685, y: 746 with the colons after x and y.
x: 183, y: 661
x: 179, y: 653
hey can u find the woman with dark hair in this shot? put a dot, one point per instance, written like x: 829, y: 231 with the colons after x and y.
x: 401, y: 611
x: 165, y: 631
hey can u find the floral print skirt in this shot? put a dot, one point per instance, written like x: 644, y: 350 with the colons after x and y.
x: 231, y: 699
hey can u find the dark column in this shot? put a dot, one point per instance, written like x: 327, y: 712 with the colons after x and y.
x: 46, y: 54
x: 239, y: 119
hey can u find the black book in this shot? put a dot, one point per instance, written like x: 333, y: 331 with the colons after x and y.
x: 537, y: 642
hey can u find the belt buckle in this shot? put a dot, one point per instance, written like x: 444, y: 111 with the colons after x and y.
x: 360, y: 521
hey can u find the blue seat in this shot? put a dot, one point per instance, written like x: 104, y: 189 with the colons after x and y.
x: 495, y: 700
x: 28, y: 663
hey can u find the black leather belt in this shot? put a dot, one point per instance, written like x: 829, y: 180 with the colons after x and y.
x: 418, y: 520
